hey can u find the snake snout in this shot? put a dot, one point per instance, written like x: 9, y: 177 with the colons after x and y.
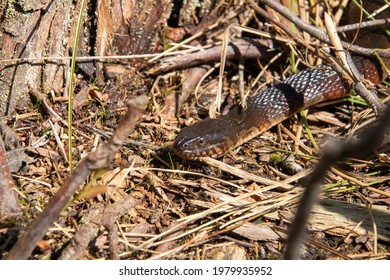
x: 190, y: 147
x: 205, y: 138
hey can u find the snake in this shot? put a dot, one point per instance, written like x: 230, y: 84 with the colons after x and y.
x: 216, y: 137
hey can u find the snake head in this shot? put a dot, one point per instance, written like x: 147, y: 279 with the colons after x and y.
x: 209, y: 137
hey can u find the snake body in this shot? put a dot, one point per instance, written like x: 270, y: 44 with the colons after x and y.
x: 216, y: 137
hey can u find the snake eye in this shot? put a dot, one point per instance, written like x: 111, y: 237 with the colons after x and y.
x: 185, y: 145
x: 201, y: 140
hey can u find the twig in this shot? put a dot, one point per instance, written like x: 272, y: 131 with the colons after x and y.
x: 58, y: 140
x: 246, y: 175
x: 236, y: 49
x: 101, y: 158
x: 363, y: 24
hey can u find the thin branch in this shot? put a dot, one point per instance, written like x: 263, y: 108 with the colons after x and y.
x: 363, y: 24
x: 239, y: 48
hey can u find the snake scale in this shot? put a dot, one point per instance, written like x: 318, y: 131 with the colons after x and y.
x: 216, y: 137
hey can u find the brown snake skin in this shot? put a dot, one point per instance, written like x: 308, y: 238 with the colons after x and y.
x: 216, y: 137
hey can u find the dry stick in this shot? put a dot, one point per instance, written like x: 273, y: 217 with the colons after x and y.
x: 243, y: 174
x: 238, y: 48
x: 363, y: 24
x: 37, y: 60
x: 334, y: 152
x: 101, y: 158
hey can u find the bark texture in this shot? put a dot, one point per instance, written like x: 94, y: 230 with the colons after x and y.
x: 46, y: 28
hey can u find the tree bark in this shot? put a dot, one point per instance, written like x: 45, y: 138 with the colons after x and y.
x: 35, y: 29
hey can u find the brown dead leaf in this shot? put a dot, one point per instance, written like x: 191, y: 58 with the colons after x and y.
x: 97, y: 94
